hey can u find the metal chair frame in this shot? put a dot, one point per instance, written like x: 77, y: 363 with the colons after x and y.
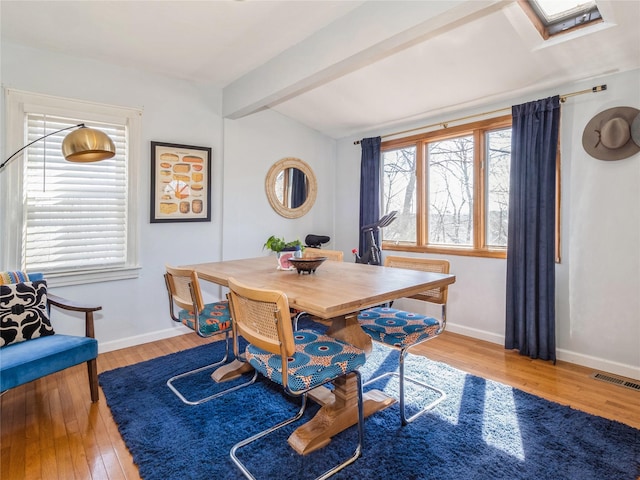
x: 402, y: 378
x: 285, y: 336
x: 197, y: 306
x: 438, y: 296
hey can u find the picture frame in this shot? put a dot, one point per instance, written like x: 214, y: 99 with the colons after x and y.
x: 180, y: 183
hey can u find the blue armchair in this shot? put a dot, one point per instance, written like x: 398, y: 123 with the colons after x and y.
x: 29, y: 347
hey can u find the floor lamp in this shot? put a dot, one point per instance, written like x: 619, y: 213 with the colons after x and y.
x: 83, y: 145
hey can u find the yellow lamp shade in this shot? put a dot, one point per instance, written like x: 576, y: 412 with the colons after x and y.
x: 87, y: 145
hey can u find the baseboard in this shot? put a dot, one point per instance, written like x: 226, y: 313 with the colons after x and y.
x: 599, y: 364
x: 104, y: 347
x: 475, y: 333
x: 596, y: 363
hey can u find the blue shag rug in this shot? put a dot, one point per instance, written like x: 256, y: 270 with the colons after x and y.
x: 483, y: 430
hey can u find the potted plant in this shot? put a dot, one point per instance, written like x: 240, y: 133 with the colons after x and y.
x: 284, y: 251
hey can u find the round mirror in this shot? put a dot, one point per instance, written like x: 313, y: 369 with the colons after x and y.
x: 291, y: 187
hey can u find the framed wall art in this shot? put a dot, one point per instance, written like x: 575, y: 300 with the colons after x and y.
x: 180, y: 183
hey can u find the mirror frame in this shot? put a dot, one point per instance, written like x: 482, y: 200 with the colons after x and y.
x: 270, y: 187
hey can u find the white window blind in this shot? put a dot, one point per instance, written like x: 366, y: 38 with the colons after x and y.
x: 75, y: 213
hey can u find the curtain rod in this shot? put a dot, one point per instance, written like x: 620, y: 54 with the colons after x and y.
x: 563, y: 98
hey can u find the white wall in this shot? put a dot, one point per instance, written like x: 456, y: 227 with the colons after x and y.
x: 598, y: 280
x: 135, y: 311
x: 252, y: 145
x: 174, y: 111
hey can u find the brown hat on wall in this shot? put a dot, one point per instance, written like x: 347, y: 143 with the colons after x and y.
x: 608, y: 135
x: 635, y: 130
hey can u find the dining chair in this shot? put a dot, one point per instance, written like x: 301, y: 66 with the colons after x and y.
x: 336, y: 255
x: 299, y: 362
x: 207, y: 320
x: 403, y: 330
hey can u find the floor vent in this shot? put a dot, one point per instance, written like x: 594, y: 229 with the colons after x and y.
x: 617, y: 381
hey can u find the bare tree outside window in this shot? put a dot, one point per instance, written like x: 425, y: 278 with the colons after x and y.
x: 450, y: 188
x: 450, y: 176
x: 497, y: 172
x: 399, y: 193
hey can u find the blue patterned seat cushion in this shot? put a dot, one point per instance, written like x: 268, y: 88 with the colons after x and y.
x: 317, y: 359
x: 215, y: 317
x: 397, y: 327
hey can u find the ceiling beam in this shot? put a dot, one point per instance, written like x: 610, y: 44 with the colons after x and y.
x: 367, y: 34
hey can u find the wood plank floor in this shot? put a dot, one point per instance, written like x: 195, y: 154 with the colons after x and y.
x: 51, y: 430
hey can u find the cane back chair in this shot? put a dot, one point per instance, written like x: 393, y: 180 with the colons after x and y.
x: 335, y: 255
x: 403, y: 330
x: 206, y: 320
x: 299, y: 361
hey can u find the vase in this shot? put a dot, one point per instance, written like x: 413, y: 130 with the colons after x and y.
x: 284, y: 256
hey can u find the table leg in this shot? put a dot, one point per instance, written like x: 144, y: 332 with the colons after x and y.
x: 348, y: 329
x: 231, y: 370
x: 339, y: 412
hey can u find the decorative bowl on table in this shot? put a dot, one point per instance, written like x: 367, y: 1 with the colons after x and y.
x: 307, y: 265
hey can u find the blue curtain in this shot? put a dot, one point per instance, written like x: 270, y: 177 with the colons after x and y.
x: 530, y: 326
x: 298, y: 188
x: 369, y: 187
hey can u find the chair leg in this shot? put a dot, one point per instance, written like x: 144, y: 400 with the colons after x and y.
x: 356, y: 454
x: 442, y: 395
x: 296, y: 319
x: 401, y: 379
x: 208, y: 367
x: 261, y: 434
x: 92, y: 368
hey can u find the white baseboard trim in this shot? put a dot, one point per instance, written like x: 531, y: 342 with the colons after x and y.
x: 596, y: 363
x: 475, y: 333
x: 599, y: 364
x: 104, y: 347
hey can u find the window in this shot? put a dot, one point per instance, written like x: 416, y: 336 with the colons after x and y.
x: 450, y: 188
x: 552, y: 17
x: 73, y: 221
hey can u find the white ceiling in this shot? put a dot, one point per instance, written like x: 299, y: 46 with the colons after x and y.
x: 340, y: 67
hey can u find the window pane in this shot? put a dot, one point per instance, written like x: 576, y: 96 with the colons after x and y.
x: 554, y: 10
x: 75, y: 212
x: 399, y: 193
x: 497, y: 199
x: 450, y: 191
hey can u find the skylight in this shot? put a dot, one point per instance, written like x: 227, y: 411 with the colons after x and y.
x: 552, y: 17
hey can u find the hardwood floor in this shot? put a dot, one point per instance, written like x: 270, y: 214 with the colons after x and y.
x: 51, y: 430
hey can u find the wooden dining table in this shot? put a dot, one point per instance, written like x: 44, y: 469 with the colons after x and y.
x: 336, y: 292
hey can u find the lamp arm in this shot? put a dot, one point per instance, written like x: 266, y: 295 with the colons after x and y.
x: 37, y: 140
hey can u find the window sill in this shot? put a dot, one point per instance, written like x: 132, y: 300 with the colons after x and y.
x: 465, y: 252
x: 94, y: 276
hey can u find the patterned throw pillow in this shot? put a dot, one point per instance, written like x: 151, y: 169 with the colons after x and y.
x: 23, y: 312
